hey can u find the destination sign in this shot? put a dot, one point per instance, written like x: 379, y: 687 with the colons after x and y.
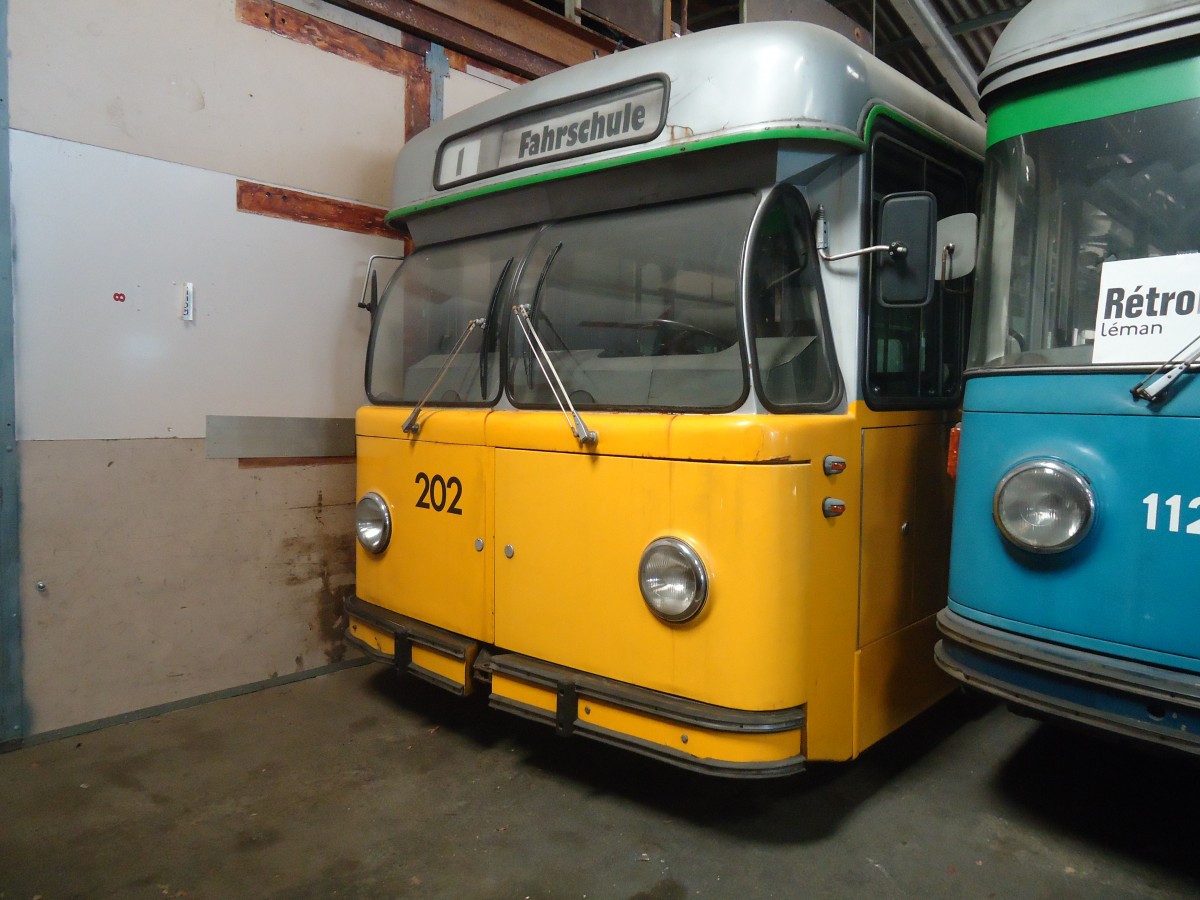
x: 630, y: 114
x: 1148, y: 309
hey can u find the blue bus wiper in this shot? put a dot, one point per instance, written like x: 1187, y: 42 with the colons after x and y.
x: 555, y: 383
x: 1151, y: 387
x: 411, y: 426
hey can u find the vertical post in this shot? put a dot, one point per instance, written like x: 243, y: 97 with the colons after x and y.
x: 12, y: 694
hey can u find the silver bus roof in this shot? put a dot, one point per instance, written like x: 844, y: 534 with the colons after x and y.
x: 724, y: 85
x: 1054, y: 34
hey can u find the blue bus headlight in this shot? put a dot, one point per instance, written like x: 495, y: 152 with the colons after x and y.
x: 673, y: 580
x: 1044, y: 506
x: 373, y: 523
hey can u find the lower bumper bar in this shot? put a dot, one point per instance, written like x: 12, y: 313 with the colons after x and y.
x: 1149, y: 703
x: 687, y: 733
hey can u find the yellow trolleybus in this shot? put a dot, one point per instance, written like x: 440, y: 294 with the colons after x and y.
x: 659, y: 402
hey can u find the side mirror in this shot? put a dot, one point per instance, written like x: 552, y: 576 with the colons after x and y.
x: 906, y: 223
x: 956, y: 246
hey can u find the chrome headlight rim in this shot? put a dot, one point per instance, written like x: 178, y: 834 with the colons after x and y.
x: 1077, y: 482
x: 690, y: 558
x: 373, y: 523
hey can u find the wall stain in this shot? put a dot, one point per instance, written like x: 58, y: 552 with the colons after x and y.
x: 331, y: 618
x: 324, y: 563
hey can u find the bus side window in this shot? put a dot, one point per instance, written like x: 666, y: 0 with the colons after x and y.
x: 787, y: 311
x: 914, y: 356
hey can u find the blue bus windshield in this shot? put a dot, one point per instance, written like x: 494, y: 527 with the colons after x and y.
x: 1060, y: 203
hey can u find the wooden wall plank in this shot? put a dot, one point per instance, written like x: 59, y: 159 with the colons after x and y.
x: 284, y: 203
x: 462, y: 37
x: 525, y: 25
x: 279, y: 462
x: 416, y: 106
x: 406, y: 60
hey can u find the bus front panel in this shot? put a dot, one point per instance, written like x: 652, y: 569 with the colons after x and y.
x: 577, y: 527
x: 437, y: 567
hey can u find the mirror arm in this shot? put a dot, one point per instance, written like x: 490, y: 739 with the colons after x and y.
x: 371, y: 284
x: 896, y: 250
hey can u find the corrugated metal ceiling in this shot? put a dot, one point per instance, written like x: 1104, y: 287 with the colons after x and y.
x: 971, y: 25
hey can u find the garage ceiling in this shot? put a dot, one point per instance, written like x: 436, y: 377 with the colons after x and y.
x: 940, y: 44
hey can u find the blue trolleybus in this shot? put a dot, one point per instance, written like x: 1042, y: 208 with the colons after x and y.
x: 1073, y: 592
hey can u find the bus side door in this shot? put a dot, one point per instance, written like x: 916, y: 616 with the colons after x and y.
x: 912, y: 381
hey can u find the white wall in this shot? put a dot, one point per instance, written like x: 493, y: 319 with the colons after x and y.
x: 166, y: 574
x: 185, y: 81
x: 276, y: 330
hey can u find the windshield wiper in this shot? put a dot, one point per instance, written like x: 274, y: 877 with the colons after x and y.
x: 557, y: 388
x: 487, y: 328
x: 537, y: 298
x: 411, y: 425
x: 1152, y: 387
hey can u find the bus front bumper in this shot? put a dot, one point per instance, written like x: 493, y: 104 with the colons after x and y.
x: 700, y: 736
x: 1150, y: 703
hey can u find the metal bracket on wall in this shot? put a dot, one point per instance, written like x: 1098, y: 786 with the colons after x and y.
x: 13, y: 714
x: 438, y: 65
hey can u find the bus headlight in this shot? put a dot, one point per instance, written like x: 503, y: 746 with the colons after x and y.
x: 673, y: 580
x: 373, y: 523
x: 1044, y: 506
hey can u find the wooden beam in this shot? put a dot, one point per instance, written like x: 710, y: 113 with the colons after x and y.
x: 407, y: 60
x: 416, y: 105
x: 312, y: 209
x: 499, y: 32
x: 276, y: 462
x: 529, y: 25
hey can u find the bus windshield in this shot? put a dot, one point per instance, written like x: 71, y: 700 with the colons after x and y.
x: 1061, y: 202
x: 635, y: 309
x: 638, y: 308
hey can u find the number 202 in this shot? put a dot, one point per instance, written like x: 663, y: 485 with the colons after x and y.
x: 436, y: 491
x: 1174, y: 503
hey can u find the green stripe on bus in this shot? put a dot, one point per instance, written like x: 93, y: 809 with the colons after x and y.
x: 1110, y: 95
x: 399, y: 215
x: 908, y: 121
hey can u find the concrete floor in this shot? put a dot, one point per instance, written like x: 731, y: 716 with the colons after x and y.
x: 356, y: 784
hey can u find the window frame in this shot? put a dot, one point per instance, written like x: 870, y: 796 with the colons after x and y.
x: 929, y: 150
x: 789, y: 194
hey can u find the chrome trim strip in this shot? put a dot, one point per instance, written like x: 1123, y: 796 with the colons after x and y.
x: 1151, y: 682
